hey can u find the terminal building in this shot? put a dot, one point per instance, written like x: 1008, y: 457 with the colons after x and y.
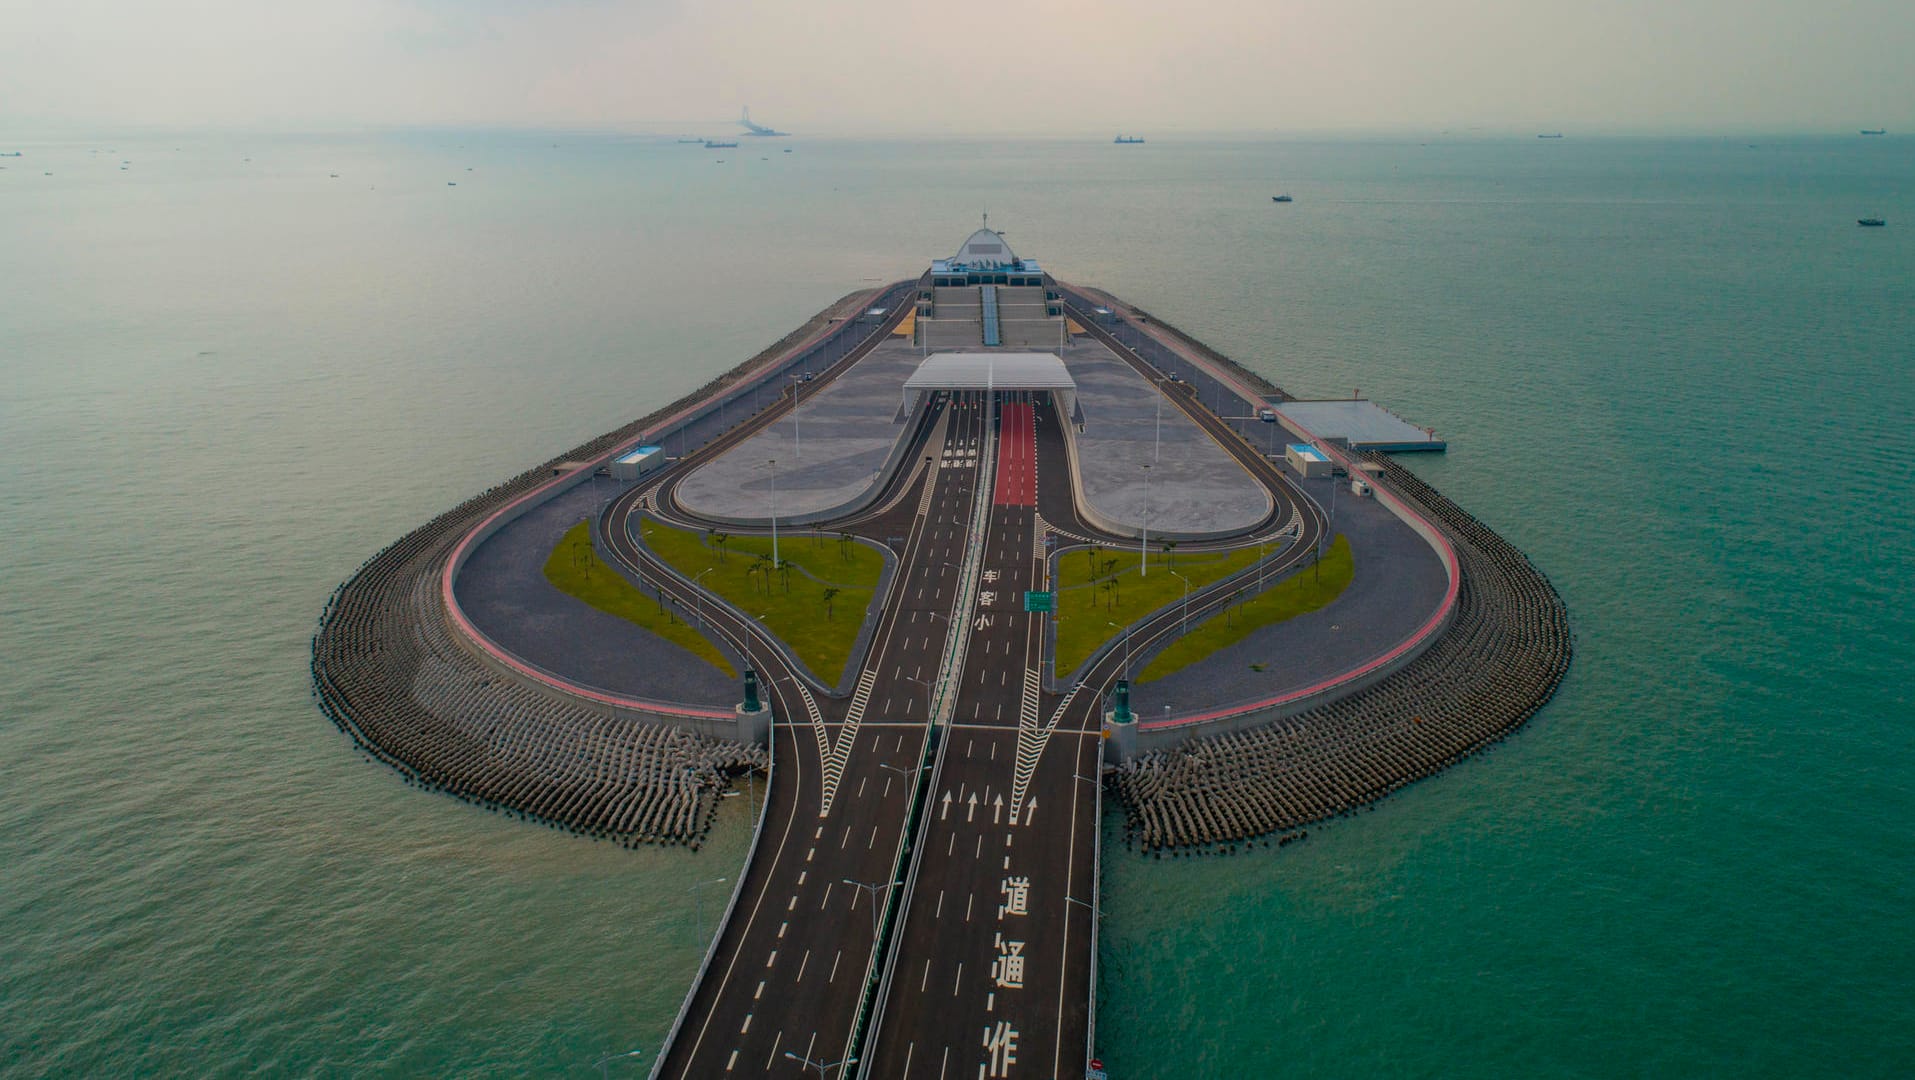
x: 986, y: 297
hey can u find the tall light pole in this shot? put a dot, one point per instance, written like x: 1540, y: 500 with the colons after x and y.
x: 874, y: 888
x: 908, y: 774
x: 1157, y: 449
x: 821, y: 1066
x: 698, y: 606
x: 603, y: 1064
x: 773, y: 464
x: 797, y: 436
x: 1186, y: 614
x: 927, y: 691
x: 698, y: 904
x: 1143, y: 544
x: 1126, y: 629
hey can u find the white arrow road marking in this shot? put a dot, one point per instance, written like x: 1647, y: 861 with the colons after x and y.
x: 945, y: 809
x: 970, y: 807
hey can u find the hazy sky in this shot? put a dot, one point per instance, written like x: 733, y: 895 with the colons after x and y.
x: 1012, y: 66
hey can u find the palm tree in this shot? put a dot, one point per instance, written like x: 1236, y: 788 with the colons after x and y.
x: 784, y: 571
x: 828, y: 595
x: 1170, y: 553
x: 720, y: 539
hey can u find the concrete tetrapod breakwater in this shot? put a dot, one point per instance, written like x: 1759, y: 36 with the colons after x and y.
x: 391, y: 669
x: 1499, y: 661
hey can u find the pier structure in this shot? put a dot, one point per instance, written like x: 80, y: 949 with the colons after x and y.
x: 922, y: 889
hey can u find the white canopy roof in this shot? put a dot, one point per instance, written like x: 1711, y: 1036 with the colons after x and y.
x: 990, y: 371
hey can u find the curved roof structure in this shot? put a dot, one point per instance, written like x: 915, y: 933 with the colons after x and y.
x: 985, y: 248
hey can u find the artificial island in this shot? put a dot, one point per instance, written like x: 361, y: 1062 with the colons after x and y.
x: 947, y: 567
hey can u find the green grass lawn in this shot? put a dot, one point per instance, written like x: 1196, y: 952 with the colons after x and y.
x: 576, y: 570
x: 792, y: 605
x: 1299, y: 594
x: 1086, y: 607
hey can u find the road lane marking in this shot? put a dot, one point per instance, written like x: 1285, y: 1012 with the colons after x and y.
x: 733, y: 1061
x: 834, y: 966
x: 939, y: 913
x: 772, y: 959
x: 827, y: 899
x: 801, y: 966
x: 742, y: 1028
x: 959, y: 981
x: 781, y: 929
x: 760, y: 992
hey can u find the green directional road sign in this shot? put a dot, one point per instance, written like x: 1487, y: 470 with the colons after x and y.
x: 1040, y: 601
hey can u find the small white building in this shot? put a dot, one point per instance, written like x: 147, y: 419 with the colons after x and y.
x: 637, y: 463
x: 1307, y: 460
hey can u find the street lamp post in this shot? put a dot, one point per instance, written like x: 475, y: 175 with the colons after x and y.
x: 603, y: 1065
x: 927, y: 691
x: 908, y: 774
x: 872, y: 887
x: 772, y: 464
x: 821, y: 1066
x: 797, y: 436
x: 698, y: 606
x: 1143, y: 544
x: 698, y: 904
x: 1126, y: 629
x: 1186, y: 614
x: 1156, y: 449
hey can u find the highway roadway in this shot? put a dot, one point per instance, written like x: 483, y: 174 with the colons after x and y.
x: 979, y: 828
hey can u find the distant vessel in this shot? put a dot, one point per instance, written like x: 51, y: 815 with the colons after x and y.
x: 1126, y: 140
x: 1555, y: 135
x: 16, y: 153
x: 1281, y: 198
x: 714, y: 145
x: 1874, y: 131
x: 1870, y: 222
x: 787, y: 149
x: 695, y: 140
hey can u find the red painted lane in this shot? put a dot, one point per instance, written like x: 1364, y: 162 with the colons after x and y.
x: 1017, y: 455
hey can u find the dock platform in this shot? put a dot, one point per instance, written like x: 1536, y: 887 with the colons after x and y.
x: 1363, y: 423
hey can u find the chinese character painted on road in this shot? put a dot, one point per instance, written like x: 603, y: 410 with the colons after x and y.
x: 983, y: 622
x: 987, y: 598
x: 1017, y: 896
x: 990, y: 575
x: 1001, y: 1043
x: 1008, y: 969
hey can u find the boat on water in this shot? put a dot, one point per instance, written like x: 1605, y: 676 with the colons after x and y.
x: 695, y: 141
x: 714, y: 145
x: 1552, y: 135
x: 1870, y: 222
x: 1281, y: 198
x: 1126, y: 140
x: 1874, y: 131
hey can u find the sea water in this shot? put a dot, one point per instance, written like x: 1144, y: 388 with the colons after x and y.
x: 1673, y: 371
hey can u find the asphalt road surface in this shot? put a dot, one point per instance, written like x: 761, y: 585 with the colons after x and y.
x: 922, y: 891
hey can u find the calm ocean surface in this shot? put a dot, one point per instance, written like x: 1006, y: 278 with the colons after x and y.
x: 1675, y: 372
